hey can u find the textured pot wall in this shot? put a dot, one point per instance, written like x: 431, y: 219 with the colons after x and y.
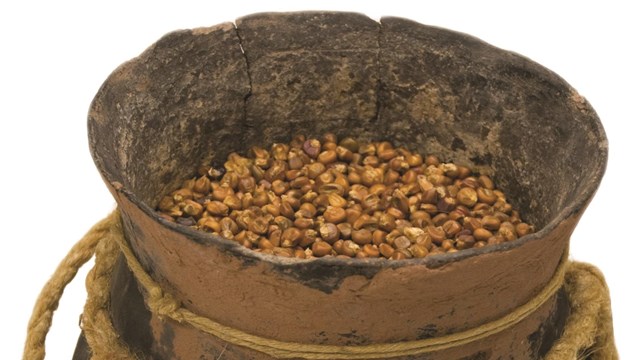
x: 197, y: 95
x: 311, y: 73
x: 177, y: 105
x: 452, y: 94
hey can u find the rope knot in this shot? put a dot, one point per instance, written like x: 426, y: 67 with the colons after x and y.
x: 163, y: 304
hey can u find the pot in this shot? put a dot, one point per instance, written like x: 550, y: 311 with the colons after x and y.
x: 196, y: 95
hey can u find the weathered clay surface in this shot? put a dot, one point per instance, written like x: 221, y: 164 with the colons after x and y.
x: 197, y: 95
x: 302, y: 80
x: 154, y: 110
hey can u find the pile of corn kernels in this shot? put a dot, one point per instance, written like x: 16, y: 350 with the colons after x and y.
x: 316, y: 197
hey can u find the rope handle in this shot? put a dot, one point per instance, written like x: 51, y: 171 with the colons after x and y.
x: 49, y: 297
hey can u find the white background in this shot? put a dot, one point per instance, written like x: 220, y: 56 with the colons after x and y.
x: 54, y: 55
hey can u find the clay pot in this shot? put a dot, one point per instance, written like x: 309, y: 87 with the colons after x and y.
x: 197, y: 95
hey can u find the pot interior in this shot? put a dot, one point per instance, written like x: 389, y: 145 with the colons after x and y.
x: 197, y: 95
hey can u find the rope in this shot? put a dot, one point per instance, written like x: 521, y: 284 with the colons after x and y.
x: 96, y: 323
x: 49, y: 297
x: 104, y: 342
x: 589, y: 328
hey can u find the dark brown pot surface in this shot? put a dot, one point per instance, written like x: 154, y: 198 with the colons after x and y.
x: 197, y: 95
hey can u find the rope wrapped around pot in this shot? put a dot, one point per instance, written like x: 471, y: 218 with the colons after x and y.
x: 588, y: 333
